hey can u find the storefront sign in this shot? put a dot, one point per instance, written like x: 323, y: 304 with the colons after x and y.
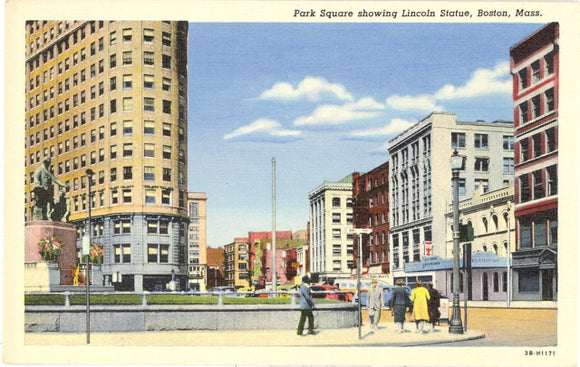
x: 428, y: 248
x: 478, y: 260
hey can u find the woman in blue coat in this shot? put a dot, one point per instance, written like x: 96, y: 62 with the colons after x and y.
x: 398, y: 303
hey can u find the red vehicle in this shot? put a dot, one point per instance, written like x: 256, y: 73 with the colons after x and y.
x: 317, y: 292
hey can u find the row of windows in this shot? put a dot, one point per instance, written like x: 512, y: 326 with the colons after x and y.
x: 94, y: 157
x: 336, y: 202
x: 537, y: 106
x: 404, y: 152
x: 94, y: 91
x: 337, y: 218
x: 98, y: 112
x: 124, y: 196
x: 62, y: 45
x: 538, y: 231
x: 76, y: 142
x: 156, y: 253
x: 538, y: 184
x: 480, y: 141
x: 538, y: 144
x: 537, y: 71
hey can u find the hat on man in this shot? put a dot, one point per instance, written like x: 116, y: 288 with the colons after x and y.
x: 374, y: 281
x: 306, y: 279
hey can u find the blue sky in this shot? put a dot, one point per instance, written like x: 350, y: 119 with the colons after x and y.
x: 323, y: 99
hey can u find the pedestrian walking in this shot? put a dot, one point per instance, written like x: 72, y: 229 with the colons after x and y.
x: 375, y: 302
x: 306, y: 305
x: 419, y: 297
x: 398, y: 304
x: 433, y: 305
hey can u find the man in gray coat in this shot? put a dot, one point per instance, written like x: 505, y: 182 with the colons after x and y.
x: 375, y: 302
x: 306, y: 306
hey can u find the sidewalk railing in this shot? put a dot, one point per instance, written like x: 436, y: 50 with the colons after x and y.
x: 341, y: 296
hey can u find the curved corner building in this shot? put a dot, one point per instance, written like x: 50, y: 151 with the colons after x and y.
x: 112, y: 96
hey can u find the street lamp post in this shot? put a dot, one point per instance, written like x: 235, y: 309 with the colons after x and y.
x: 509, y: 257
x: 274, y: 285
x: 89, y: 173
x: 457, y: 163
x: 360, y: 232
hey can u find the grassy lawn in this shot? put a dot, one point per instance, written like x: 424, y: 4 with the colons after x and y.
x: 153, y: 299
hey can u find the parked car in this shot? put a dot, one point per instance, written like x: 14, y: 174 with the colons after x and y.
x: 328, y: 288
x: 226, y: 292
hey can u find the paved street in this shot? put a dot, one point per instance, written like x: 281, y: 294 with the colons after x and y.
x: 512, y: 327
x: 486, y: 327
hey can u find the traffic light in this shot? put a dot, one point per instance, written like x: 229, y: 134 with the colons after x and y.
x: 465, y: 232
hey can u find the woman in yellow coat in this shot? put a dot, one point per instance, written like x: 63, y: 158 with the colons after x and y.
x: 419, y: 296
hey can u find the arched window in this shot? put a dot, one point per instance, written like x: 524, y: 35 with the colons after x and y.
x: 495, y: 222
x: 484, y: 248
x: 505, y: 218
x: 484, y: 220
x: 495, y: 248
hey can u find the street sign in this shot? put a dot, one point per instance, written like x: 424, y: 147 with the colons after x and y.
x: 359, y: 230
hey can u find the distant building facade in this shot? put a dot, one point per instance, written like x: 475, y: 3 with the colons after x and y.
x: 331, y: 216
x: 371, y: 210
x: 197, y: 240
x: 215, y: 267
x: 535, y: 70
x: 420, y: 182
x: 237, y: 263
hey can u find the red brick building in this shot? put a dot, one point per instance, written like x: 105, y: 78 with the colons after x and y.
x: 371, y: 207
x: 215, y: 273
x: 535, y: 70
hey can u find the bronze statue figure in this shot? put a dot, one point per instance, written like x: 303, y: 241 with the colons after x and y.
x: 44, y: 193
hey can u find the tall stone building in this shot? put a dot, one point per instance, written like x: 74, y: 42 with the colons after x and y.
x: 420, y: 188
x: 197, y: 241
x: 112, y: 97
x: 535, y: 69
x: 331, y: 216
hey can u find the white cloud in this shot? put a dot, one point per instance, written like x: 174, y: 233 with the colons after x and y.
x: 482, y: 82
x: 338, y: 114
x: 403, y: 103
x: 263, y: 126
x: 311, y: 88
x: 396, y: 126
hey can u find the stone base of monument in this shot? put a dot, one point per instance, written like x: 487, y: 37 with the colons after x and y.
x: 39, y: 274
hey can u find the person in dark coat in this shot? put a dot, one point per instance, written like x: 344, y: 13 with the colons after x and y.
x: 433, y: 305
x: 398, y: 303
x: 306, y: 306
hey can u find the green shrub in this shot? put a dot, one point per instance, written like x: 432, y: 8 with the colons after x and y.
x: 44, y: 299
x: 176, y: 299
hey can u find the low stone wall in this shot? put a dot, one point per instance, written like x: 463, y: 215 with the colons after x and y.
x: 184, y: 317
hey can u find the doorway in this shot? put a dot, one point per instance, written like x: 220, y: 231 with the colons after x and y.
x: 485, y: 287
x: 548, y: 285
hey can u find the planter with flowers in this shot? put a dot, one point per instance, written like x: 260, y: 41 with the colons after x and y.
x: 50, y: 246
x: 96, y: 253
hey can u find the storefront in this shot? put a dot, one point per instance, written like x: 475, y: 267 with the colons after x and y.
x: 488, y: 276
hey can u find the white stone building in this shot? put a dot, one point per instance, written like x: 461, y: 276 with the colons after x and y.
x: 420, y: 190
x: 331, y: 248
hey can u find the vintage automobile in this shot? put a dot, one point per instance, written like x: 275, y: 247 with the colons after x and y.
x: 328, y: 291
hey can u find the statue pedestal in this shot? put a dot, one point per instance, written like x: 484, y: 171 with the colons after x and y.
x: 66, y: 261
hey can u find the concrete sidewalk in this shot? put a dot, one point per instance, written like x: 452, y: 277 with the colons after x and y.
x: 385, y: 335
